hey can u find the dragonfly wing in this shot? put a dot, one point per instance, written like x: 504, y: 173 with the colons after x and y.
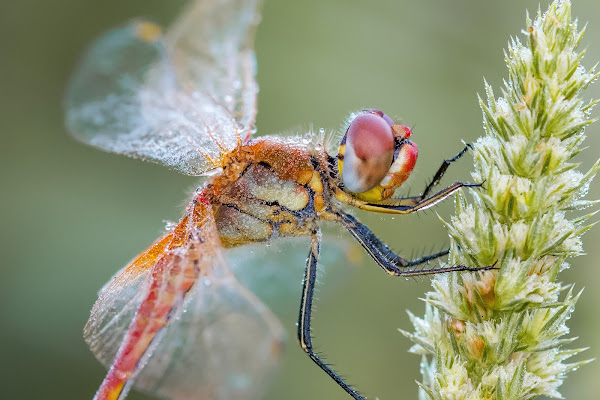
x: 118, y: 302
x: 274, y: 273
x: 222, y: 346
x: 183, y: 101
x: 212, y: 45
x: 177, y: 324
x: 125, y: 98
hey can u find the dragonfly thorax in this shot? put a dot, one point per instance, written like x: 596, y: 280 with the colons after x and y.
x: 269, y: 188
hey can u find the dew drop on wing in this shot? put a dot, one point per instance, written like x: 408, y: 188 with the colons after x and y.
x: 169, y: 225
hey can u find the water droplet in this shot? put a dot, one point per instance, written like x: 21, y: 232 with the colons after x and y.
x: 169, y: 225
x: 207, y: 282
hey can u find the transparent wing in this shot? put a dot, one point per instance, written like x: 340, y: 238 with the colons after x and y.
x: 274, y: 273
x: 223, y: 346
x: 118, y: 302
x: 222, y: 64
x: 219, y: 342
x: 183, y: 101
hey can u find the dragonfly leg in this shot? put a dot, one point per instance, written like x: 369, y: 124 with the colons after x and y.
x: 438, y: 176
x: 304, y: 317
x: 389, y: 261
x: 408, y: 205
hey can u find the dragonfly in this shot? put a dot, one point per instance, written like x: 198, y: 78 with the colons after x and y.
x: 175, y: 322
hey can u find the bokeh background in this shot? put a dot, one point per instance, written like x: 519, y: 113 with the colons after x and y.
x: 70, y: 216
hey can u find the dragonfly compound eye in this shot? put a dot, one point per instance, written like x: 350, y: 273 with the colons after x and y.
x: 381, y: 114
x: 367, y: 150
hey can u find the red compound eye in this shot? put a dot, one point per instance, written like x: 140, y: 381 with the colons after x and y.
x: 400, y: 131
x: 369, y: 151
x: 381, y: 114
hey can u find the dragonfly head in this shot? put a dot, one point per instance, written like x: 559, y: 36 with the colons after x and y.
x: 375, y: 155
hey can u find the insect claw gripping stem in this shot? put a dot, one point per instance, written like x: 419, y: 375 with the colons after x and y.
x: 442, y: 170
x: 414, y: 201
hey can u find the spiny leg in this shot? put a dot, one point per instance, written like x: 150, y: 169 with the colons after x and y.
x: 304, y: 317
x: 407, y: 205
x: 411, y: 204
x: 389, y: 261
x: 438, y: 176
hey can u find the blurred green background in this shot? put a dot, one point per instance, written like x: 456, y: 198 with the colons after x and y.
x: 70, y: 216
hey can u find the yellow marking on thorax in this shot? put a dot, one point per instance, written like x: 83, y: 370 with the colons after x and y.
x: 286, y: 193
x: 293, y: 166
x: 284, y: 180
x: 315, y: 182
x: 304, y: 177
x: 319, y: 203
x: 317, y: 186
